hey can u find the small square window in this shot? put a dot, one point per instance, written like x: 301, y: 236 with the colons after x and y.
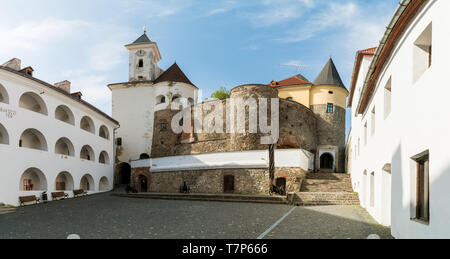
x: 163, y: 126
x: 330, y: 108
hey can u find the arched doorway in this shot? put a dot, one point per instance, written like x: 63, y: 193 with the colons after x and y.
x: 124, y: 173
x: 326, y: 161
x: 280, y: 183
x: 142, y: 183
x: 228, y: 184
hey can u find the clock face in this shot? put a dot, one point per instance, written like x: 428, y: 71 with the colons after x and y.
x: 140, y: 53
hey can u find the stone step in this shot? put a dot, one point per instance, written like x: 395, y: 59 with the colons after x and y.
x: 326, y: 186
x: 5, y: 210
x: 208, y: 197
x: 328, y: 176
x: 323, y: 198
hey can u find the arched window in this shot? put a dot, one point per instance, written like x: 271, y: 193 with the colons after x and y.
x: 33, y: 102
x: 103, y: 158
x: 63, y: 113
x: 104, y: 132
x: 34, y: 139
x: 64, y: 147
x: 191, y: 102
x: 64, y: 182
x: 87, y: 124
x: 87, y: 183
x: 144, y: 156
x: 4, y: 98
x: 176, y: 98
x: 160, y: 99
x: 103, y: 185
x: 141, y: 63
x: 87, y: 153
x: 4, y: 137
x: 33, y: 180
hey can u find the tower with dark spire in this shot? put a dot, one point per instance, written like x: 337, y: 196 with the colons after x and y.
x: 328, y: 102
x: 144, y: 58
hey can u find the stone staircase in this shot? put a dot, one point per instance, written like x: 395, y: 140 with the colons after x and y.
x: 5, y: 209
x: 320, y: 189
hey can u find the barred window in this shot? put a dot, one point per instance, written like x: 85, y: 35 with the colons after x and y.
x: 330, y: 108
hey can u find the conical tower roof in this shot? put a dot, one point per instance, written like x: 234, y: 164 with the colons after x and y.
x: 329, y: 76
x: 142, y: 40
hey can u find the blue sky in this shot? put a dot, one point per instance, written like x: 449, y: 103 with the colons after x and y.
x: 215, y: 42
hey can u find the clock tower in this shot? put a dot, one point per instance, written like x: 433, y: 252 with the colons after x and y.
x: 144, y: 58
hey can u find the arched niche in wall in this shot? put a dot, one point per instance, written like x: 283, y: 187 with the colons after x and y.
x: 103, y: 158
x: 87, y: 153
x: 64, y: 147
x: 33, y: 102
x: 103, y: 184
x: 87, y: 183
x: 87, y: 124
x: 4, y: 136
x: 4, y: 97
x: 104, y: 132
x: 63, y: 113
x: 33, y: 139
x: 33, y: 179
x: 64, y: 182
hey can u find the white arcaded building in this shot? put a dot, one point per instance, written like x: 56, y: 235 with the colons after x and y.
x: 134, y: 103
x: 397, y: 149
x: 50, y: 139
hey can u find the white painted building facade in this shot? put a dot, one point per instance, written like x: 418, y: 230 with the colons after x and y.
x: 149, y: 89
x: 397, y: 146
x: 50, y: 140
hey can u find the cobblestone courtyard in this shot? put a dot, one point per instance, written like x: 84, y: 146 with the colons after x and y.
x: 104, y: 216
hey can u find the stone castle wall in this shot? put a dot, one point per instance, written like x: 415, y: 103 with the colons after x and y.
x: 297, y: 128
x: 247, y: 181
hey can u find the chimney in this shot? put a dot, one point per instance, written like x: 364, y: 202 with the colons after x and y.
x: 14, y: 63
x: 64, y: 85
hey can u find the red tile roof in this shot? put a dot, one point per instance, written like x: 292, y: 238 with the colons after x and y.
x: 295, y: 80
x: 357, y: 66
x: 174, y: 74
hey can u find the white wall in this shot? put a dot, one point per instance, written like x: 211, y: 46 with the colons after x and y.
x: 417, y: 123
x: 16, y: 160
x: 134, y: 108
x: 245, y: 159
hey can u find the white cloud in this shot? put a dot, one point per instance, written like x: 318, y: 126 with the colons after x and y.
x: 35, y: 36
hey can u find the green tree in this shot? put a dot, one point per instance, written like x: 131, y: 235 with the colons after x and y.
x: 221, y: 94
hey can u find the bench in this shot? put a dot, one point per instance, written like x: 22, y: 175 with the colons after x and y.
x: 80, y: 192
x: 25, y: 199
x: 59, y: 195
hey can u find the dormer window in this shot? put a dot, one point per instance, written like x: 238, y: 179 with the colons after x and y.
x: 141, y: 63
